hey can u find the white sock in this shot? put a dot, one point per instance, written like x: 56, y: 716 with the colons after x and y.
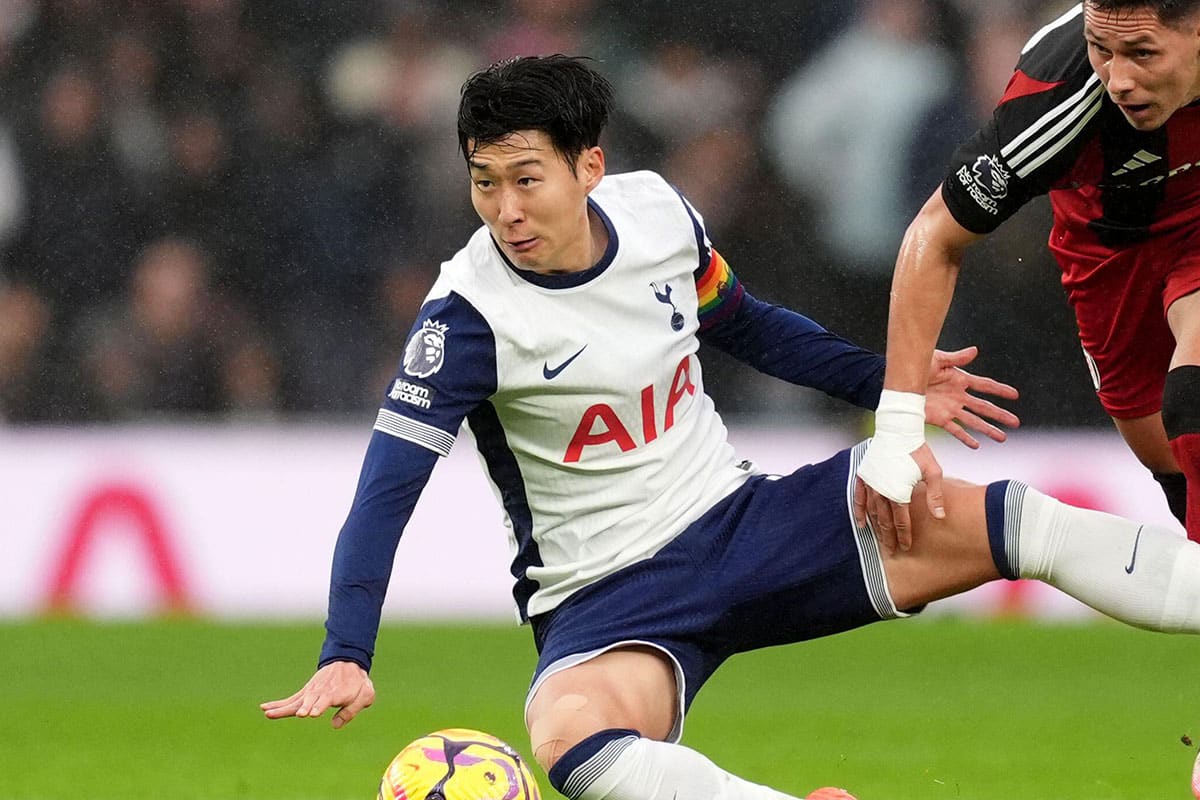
x: 633, y: 768
x: 1144, y: 575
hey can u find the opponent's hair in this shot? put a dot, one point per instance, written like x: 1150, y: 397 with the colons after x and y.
x: 1169, y: 12
x: 559, y: 95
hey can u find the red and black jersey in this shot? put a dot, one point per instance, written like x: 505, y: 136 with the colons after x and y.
x: 1056, y: 131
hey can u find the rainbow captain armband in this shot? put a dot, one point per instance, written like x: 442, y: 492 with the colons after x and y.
x: 718, y: 289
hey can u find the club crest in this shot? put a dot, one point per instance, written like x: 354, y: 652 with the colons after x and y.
x: 665, y: 298
x: 426, y: 349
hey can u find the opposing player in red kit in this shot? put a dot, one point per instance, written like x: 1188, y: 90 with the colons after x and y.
x: 1102, y: 114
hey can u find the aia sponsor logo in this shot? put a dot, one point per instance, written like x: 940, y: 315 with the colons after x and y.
x: 601, y: 426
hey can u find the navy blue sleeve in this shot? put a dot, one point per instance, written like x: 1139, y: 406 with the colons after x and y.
x: 448, y: 370
x: 393, y: 474
x: 790, y: 346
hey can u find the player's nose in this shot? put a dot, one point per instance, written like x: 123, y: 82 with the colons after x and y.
x: 1120, y: 78
x: 510, y: 208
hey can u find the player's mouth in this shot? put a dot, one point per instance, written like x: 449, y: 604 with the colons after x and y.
x: 1135, y: 111
x: 522, y: 245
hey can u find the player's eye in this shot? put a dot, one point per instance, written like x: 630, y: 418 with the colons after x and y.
x: 482, y: 184
x: 1143, y: 54
x: 526, y: 181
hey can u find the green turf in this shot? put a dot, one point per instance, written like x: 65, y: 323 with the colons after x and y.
x: 924, y: 709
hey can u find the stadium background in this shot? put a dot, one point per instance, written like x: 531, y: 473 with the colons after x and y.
x: 217, y: 220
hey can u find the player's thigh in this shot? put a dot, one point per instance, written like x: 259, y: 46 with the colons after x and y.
x: 948, y: 556
x: 1183, y: 315
x: 1123, y: 328
x: 627, y: 687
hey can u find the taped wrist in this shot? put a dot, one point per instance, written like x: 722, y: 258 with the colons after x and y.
x: 888, y: 466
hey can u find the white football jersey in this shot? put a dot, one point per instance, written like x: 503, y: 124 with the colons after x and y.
x: 583, y: 391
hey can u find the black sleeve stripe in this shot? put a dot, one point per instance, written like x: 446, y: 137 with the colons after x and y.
x: 1074, y: 113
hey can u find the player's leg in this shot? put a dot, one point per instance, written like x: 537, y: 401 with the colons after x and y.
x: 597, y: 728
x: 1181, y: 399
x: 1147, y: 438
x: 1144, y: 575
x: 1128, y: 346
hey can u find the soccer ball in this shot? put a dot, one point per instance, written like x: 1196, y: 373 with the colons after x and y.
x: 458, y: 764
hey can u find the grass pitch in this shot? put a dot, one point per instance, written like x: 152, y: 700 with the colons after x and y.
x: 921, y: 709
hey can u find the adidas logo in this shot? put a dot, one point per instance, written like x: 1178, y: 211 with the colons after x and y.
x: 1140, y: 159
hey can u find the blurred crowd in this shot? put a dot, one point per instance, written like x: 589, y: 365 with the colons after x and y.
x: 233, y: 208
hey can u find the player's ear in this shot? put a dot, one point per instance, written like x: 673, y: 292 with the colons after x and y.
x: 591, y: 167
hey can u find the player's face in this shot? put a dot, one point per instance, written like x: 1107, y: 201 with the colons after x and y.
x: 533, y: 203
x: 1150, y: 70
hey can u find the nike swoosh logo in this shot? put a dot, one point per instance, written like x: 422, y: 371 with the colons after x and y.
x: 1133, y: 558
x: 550, y: 373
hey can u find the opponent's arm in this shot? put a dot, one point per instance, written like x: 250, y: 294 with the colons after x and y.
x: 898, y: 457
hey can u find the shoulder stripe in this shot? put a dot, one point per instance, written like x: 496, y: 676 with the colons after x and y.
x: 410, y: 430
x: 1069, y: 15
x: 1058, y: 146
x: 1083, y: 105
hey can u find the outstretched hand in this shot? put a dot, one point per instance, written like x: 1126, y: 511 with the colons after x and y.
x: 952, y: 402
x: 343, y: 685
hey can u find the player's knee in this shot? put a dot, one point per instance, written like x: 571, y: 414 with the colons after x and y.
x: 1181, y: 401
x: 559, y: 723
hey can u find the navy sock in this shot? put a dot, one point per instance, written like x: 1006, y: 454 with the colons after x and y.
x: 1002, y: 504
x: 586, y: 761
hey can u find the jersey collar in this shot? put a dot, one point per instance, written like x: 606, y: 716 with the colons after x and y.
x: 570, y: 280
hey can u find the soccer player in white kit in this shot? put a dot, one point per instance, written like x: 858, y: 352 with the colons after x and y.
x: 646, y: 553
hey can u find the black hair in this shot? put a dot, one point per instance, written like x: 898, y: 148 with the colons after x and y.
x: 1169, y: 12
x: 559, y: 95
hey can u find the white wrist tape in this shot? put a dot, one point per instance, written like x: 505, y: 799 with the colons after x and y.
x: 888, y: 466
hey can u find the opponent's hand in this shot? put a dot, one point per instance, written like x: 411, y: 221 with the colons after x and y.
x: 952, y: 404
x: 897, y: 458
x: 343, y: 685
x: 891, y: 519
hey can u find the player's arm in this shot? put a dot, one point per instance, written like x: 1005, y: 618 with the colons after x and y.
x: 789, y: 346
x: 449, y: 369
x: 898, y: 457
x: 394, y: 472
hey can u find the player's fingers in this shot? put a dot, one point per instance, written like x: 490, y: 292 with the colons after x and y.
x: 363, y: 699
x: 273, y: 704
x: 980, y: 425
x: 881, y: 522
x: 988, y: 409
x: 959, y: 358
x: 969, y: 419
x: 860, y: 503
x: 958, y: 432
x: 995, y: 388
x: 902, y: 522
x: 323, y: 702
x: 934, y: 497
x: 288, y: 709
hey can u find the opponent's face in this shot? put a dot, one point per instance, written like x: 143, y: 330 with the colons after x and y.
x: 1150, y: 70
x: 533, y: 203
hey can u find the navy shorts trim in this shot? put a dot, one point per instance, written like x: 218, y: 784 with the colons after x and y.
x: 778, y: 561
